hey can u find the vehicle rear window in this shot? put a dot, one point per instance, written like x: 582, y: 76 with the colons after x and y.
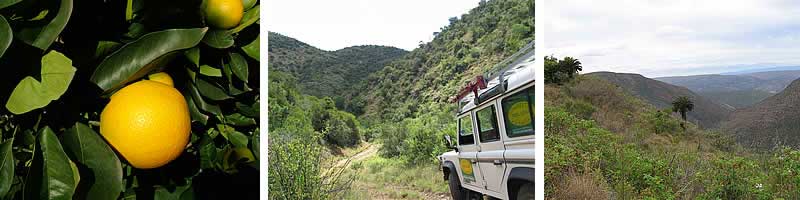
x: 465, y: 130
x: 518, y: 111
x: 487, y: 124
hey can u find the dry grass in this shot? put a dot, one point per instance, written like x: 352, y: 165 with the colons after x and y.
x: 581, y: 186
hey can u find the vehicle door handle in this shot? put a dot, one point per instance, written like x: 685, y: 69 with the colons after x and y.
x: 497, y: 162
x: 473, y: 161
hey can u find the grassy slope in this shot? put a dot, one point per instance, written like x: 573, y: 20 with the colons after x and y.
x: 602, y: 143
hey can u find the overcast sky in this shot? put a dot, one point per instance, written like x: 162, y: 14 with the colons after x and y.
x: 672, y: 37
x: 333, y: 25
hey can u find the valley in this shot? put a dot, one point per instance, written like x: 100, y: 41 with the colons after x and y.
x: 326, y: 105
x: 618, y: 136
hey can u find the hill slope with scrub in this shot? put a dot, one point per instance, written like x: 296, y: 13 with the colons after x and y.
x: 603, y: 142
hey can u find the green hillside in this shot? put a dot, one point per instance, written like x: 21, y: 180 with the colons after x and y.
x: 328, y: 73
x: 431, y: 74
x: 400, y: 99
x: 603, y: 143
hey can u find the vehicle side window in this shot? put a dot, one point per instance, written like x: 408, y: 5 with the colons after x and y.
x: 518, y: 111
x: 487, y: 125
x: 465, y: 131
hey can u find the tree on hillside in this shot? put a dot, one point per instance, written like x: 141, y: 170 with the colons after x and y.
x: 682, y: 105
x: 560, y: 71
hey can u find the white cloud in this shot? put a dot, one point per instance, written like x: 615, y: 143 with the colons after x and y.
x: 333, y: 25
x: 671, y: 37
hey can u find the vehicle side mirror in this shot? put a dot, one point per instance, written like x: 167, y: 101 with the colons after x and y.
x: 449, y: 143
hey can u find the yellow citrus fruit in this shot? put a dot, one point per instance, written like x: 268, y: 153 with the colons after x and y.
x: 161, y: 77
x: 147, y: 122
x: 223, y: 14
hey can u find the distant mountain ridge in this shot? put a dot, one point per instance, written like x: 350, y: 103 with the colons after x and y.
x: 769, y: 123
x: 706, y: 113
x: 328, y: 73
x: 740, y: 90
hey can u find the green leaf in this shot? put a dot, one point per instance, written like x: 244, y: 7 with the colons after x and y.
x: 57, y: 182
x: 135, y: 30
x: 195, y: 112
x: 193, y: 55
x: 129, y: 10
x: 252, y: 49
x: 237, y: 119
x: 238, y: 139
x: 210, y: 90
x: 6, y: 168
x: 249, y: 17
x: 255, y: 141
x: 210, y: 71
x: 232, y: 90
x: 239, y: 66
x: 88, y: 148
x: 7, y: 3
x: 219, y: 39
x: 42, y: 36
x: 248, y: 4
x: 208, y: 156
x: 106, y: 47
x: 29, y: 94
x: 6, y: 36
x: 136, y: 59
x: 250, y: 111
x: 198, y: 100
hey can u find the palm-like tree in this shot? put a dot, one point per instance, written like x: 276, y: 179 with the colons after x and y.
x: 571, y: 66
x: 682, y: 105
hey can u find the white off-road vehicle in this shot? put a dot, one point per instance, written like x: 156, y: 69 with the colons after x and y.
x: 494, y: 154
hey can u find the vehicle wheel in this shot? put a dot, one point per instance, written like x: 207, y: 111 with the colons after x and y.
x: 456, y: 191
x: 525, y: 192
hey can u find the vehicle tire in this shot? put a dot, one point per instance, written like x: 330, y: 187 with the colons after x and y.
x: 456, y: 191
x: 525, y: 192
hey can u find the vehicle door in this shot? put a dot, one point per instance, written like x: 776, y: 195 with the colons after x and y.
x: 490, y: 147
x: 467, y: 152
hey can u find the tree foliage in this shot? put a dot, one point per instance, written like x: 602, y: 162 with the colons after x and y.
x: 65, y: 58
x: 560, y: 71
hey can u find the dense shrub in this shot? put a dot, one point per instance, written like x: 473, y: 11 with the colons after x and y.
x: 294, y: 169
x: 661, y: 122
x: 342, y: 129
x: 417, y: 140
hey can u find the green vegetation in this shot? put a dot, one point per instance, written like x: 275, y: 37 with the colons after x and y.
x: 682, y: 105
x: 333, y: 74
x: 430, y: 75
x: 397, y: 98
x: 627, y: 149
x: 64, y: 59
x: 559, y: 71
x: 299, y: 126
x: 383, y: 178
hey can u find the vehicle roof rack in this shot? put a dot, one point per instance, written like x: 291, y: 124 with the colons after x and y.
x: 507, y: 67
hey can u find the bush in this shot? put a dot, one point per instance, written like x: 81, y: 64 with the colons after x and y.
x: 342, y: 129
x: 295, y: 171
x: 417, y: 140
x: 579, y: 108
x: 661, y: 122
